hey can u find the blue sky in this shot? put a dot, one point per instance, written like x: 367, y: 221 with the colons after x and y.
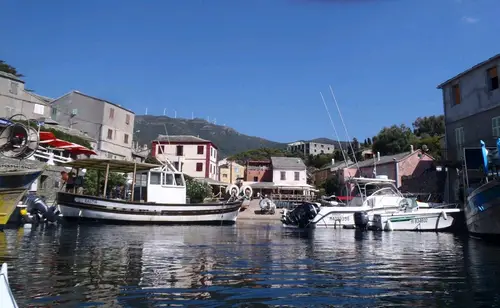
x: 256, y: 65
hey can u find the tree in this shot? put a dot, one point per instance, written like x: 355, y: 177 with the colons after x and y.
x: 197, y: 191
x: 355, y: 152
x: 429, y: 126
x: 4, y: 67
x: 393, y: 140
x: 431, y: 146
x: 332, y: 185
x: 369, y: 141
x: 90, y: 181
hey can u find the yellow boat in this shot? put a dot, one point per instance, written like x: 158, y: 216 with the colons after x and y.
x: 13, y: 185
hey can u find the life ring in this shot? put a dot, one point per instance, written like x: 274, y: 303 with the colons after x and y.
x: 244, y: 191
x: 233, y: 190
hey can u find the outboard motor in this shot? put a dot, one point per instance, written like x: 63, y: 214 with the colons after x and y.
x: 301, y: 215
x: 37, y: 208
x: 361, y: 220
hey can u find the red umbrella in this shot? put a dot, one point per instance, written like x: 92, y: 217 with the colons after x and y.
x: 50, y: 140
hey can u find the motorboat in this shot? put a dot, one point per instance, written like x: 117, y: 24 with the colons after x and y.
x: 7, y: 298
x: 158, y: 196
x: 418, y: 216
x: 370, y: 196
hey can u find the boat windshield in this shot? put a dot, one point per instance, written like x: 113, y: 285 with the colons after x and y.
x: 370, y: 188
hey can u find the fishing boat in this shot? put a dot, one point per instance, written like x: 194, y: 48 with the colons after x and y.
x: 371, y: 196
x: 481, y: 179
x: 17, y: 141
x: 419, y: 216
x: 6, y: 296
x: 158, y: 195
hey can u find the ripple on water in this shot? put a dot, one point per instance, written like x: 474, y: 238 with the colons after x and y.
x: 124, y: 266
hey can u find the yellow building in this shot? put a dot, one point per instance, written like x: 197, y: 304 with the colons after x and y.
x: 229, y: 171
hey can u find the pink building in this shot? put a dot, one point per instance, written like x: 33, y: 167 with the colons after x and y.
x: 394, y: 166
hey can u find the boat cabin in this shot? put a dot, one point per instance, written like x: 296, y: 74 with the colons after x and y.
x: 153, y: 183
x: 373, y: 190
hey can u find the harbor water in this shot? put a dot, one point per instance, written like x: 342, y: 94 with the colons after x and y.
x: 247, y: 265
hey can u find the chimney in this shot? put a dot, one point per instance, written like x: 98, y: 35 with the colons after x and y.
x: 378, y: 156
x: 411, y: 148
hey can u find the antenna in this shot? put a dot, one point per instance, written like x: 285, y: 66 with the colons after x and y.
x: 345, y: 128
x: 146, y: 110
x: 334, y: 130
x: 164, y: 111
x: 175, y: 114
x: 208, y: 119
x: 192, y: 115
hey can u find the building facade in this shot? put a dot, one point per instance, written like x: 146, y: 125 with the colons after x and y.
x: 471, y: 103
x: 230, y: 171
x: 258, y: 171
x: 15, y: 99
x: 289, y: 171
x: 310, y: 148
x: 110, y: 124
x: 191, y: 155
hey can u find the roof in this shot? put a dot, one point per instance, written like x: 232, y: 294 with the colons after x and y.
x: 495, y: 57
x: 11, y: 76
x: 181, y: 138
x: 385, y: 159
x: 337, y: 164
x: 211, y: 182
x: 44, y: 99
x: 93, y: 97
x: 288, y: 163
x: 114, y: 165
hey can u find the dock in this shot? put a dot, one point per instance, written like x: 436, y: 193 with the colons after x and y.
x: 253, y: 213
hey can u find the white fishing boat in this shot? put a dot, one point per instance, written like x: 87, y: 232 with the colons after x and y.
x: 371, y: 196
x: 6, y: 296
x: 482, y: 182
x: 419, y: 216
x: 158, y: 196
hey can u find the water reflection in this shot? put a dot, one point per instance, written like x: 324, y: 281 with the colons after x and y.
x: 131, y: 266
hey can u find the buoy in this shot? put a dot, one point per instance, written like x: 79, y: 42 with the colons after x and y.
x: 232, y: 189
x: 23, y: 212
x: 244, y: 190
x: 388, y: 225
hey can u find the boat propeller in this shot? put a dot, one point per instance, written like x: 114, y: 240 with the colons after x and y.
x: 17, y: 139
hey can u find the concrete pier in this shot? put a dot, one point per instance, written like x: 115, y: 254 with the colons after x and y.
x: 253, y: 213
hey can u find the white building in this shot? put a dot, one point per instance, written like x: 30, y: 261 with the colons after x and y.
x: 289, y: 171
x: 191, y: 155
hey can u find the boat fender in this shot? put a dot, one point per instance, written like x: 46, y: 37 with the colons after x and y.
x: 444, y: 215
x: 388, y: 226
x: 244, y: 190
x: 233, y: 189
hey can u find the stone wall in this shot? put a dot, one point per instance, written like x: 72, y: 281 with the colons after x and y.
x: 49, y: 182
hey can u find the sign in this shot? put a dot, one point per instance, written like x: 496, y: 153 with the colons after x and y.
x: 418, y: 220
x: 86, y: 200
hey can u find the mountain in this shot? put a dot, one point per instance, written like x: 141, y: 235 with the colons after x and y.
x: 228, y: 140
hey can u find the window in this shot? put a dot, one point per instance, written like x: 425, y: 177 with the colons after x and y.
x: 127, y: 119
x: 255, y: 179
x: 493, y: 79
x: 455, y: 94
x: 179, y: 150
x: 224, y: 176
x: 155, y: 178
x: 283, y: 175
x: 178, y: 179
x: 13, y: 88
x: 297, y: 176
x: 201, y: 149
x: 199, y: 166
x: 111, y: 113
x: 39, y: 109
x: 168, y: 179
x: 460, y: 140
x: 125, y: 138
x: 110, y: 134
x: 495, y: 125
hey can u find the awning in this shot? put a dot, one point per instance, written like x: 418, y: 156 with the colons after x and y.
x: 212, y: 182
x: 114, y: 165
x: 49, y: 139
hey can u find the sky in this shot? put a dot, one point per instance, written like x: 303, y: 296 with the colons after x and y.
x: 257, y: 65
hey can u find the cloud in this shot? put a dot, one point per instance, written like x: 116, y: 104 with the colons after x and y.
x: 470, y: 20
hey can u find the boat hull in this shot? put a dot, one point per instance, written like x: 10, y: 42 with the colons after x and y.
x: 107, y: 210
x: 13, y: 186
x: 482, y: 212
x: 428, y: 220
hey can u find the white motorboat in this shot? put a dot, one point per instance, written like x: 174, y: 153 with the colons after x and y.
x: 158, y: 196
x: 371, y: 196
x: 419, y: 216
x: 6, y: 296
x: 482, y: 182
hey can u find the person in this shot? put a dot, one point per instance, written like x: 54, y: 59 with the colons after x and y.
x: 69, y: 180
